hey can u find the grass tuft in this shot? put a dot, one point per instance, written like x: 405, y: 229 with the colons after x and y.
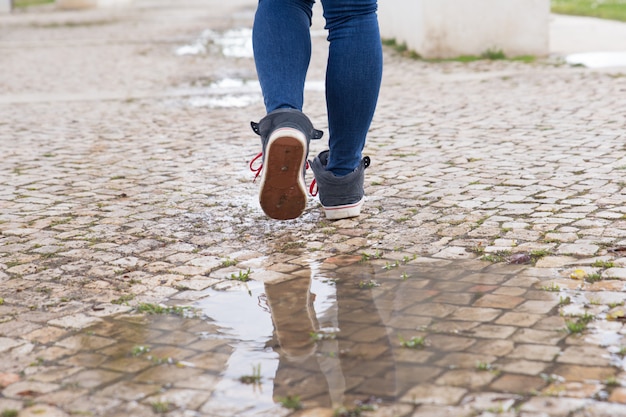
x: 605, y: 9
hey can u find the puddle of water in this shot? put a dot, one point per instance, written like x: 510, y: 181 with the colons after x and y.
x: 598, y: 59
x: 233, y: 93
x: 236, y: 43
x: 335, y: 333
x: 225, y: 101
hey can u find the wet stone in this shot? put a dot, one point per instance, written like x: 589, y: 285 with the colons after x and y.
x: 91, y: 213
x: 517, y: 383
x: 468, y: 378
x: 433, y: 394
x: 518, y: 319
x: 498, y: 301
x: 43, y: 410
x: 442, y: 411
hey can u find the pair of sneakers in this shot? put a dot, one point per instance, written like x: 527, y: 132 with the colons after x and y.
x: 285, y: 136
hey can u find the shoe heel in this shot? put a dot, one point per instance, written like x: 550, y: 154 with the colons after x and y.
x: 283, y: 194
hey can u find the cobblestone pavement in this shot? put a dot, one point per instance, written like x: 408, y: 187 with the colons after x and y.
x: 495, y: 221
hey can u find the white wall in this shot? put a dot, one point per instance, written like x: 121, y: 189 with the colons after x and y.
x: 5, y: 6
x: 450, y: 28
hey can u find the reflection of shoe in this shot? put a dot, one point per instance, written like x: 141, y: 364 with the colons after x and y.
x: 285, y: 136
x: 293, y: 317
x: 341, y: 197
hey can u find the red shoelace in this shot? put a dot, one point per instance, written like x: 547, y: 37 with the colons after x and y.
x: 257, y: 171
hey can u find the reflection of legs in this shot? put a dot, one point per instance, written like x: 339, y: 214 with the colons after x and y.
x: 359, y: 364
x: 367, y: 359
x: 298, y: 372
x: 293, y: 317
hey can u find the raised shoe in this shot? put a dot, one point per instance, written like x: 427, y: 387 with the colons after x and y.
x: 285, y: 136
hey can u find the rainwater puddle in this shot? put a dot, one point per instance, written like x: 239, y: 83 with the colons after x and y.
x: 226, y: 101
x: 231, y: 93
x: 598, y: 59
x: 360, y: 330
x: 235, y: 43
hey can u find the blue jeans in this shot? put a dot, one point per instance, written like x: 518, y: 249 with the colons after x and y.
x: 282, y: 52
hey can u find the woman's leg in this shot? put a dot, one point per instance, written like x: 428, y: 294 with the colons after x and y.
x: 281, y: 41
x: 353, y: 78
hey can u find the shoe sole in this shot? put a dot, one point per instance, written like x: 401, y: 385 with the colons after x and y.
x: 283, y: 192
x: 343, y: 212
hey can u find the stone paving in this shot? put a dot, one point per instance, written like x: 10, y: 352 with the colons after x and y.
x: 125, y: 187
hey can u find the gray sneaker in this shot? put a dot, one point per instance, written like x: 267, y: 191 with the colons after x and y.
x: 341, y: 197
x: 285, y: 136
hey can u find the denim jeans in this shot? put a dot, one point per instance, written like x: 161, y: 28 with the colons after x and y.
x: 282, y: 52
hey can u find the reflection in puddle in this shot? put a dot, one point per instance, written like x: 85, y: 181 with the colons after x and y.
x: 598, y: 59
x: 345, y: 331
x: 235, y: 83
x: 226, y: 101
x: 236, y: 43
x: 240, y: 313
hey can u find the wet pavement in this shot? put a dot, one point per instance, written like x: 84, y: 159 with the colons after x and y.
x: 139, y: 277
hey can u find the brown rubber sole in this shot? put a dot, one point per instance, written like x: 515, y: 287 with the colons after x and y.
x: 283, y: 193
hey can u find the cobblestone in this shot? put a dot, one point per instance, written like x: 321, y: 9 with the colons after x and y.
x: 494, y: 222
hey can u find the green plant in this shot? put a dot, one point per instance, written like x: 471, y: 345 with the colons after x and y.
x: 564, y: 301
x: 322, y: 336
x: 499, y: 409
x: 401, y: 48
x: 483, y: 366
x: 537, y: 254
x: 368, y: 284
x: 392, y: 265
x: 150, y: 308
x: 580, y: 324
x: 229, y: 262
x: 40, y: 361
x: 406, y: 259
x: 9, y: 413
x: 603, y: 264
x: 160, y: 407
x: 254, y: 378
x: 606, y: 9
x: 493, y: 54
x: 595, y: 277
x: 292, y: 402
x: 478, y: 249
x: 365, y: 257
x: 139, y: 350
x: 587, y: 317
x: 553, y: 287
x: 27, y: 3
x: 370, y: 404
x: 124, y: 299
x: 413, y: 343
x: 595, y: 301
x: 496, y: 257
x: 243, y: 276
